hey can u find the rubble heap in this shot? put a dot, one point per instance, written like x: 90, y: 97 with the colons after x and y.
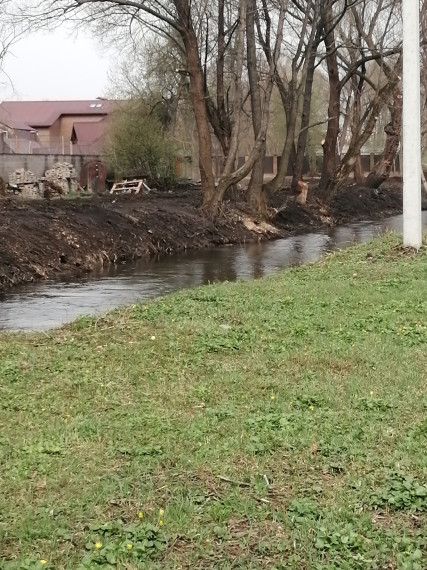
x: 63, y: 175
x: 25, y: 182
x: 60, y: 179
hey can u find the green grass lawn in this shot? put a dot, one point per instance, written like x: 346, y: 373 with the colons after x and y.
x: 280, y: 423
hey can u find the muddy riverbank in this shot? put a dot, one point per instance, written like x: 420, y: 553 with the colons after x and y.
x: 44, y: 240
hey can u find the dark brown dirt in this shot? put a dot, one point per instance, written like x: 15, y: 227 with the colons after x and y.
x: 41, y: 240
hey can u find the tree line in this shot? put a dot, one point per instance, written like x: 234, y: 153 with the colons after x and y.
x: 229, y: 59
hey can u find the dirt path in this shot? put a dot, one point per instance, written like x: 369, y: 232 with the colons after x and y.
x: 41, y: 240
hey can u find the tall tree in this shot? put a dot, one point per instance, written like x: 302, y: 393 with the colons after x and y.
x: 302, y: 136
x: 329, y: 22
x: 230, y: 175
x: 232, y: 53
x: 256, y: 197
x: 291, y: 89
x: 191, y: 22
x: 350, y: 48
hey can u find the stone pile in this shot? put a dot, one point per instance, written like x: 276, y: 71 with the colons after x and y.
x: 63, y: 174
x: 25, y: 182
x: 60, y: 179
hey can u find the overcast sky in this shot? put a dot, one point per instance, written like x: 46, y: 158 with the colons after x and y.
x: 55, y: 66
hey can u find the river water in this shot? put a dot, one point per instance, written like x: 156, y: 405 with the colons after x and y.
x: 49, y: 304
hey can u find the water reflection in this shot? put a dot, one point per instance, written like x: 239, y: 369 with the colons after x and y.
x: 46, y: 305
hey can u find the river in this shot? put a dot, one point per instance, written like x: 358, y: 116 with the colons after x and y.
x: 45, y: 305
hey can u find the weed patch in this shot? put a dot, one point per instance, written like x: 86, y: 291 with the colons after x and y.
x: 402, y: 492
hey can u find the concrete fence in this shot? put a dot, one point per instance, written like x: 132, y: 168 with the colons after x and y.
x: 91, y: 170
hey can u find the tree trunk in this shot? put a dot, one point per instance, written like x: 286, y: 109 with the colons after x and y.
x: 305, y: 114
x: 229, y: 178
x: 382, y: 169
x: 219, y: 116
x: 334, y: 107
x: 255, y: 195
x: 290, y: 95
x: 348, y: 162
x: 290, y: 104
x: 356, y: 125
x: 303, y: 189
x: 361, y: 135
x: 197, y: 95
x: 345, y: 128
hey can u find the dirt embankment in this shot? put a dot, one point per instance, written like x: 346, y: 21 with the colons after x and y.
x: 41, y: 240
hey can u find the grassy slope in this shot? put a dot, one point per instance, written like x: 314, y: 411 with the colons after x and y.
x: 278, y: 424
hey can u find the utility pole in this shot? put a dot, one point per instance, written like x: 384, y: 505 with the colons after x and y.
x: 412, y: 223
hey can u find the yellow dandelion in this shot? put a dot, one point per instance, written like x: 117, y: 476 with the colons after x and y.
x: 98, y: 545
x: 311, y: 407
x: 43, y: 562
x: 272, y: 397
x: 161, y: 513
x: 140, y: 515
x: 160, y: 523
x: 129, y: 545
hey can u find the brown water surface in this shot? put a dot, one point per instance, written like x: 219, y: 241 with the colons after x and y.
x: 46, y: 305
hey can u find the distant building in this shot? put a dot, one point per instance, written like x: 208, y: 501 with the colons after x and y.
x: 16, y: 137
x: 54, y: 127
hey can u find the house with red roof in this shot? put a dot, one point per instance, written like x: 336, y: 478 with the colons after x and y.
x: 54, y: 127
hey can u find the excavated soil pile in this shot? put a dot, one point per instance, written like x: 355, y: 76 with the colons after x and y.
x: 41, y: 240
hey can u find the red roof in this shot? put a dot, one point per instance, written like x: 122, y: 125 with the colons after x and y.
x: 45, y: 113
x: 88, y: 132
x: 12, y: 124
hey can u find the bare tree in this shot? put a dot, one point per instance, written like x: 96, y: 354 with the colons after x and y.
x: 256, y: 197
x: 231, y: 54
x: 190, y: 22
x: 303, y: 45
x: 391, y: 68
x: 366, y: 35
x: 231, y: 176
x: 10, y: 32
x: 161, y: 17
x: 307, y: 96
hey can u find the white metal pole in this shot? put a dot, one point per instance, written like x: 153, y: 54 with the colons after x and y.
x: 412, y: 225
